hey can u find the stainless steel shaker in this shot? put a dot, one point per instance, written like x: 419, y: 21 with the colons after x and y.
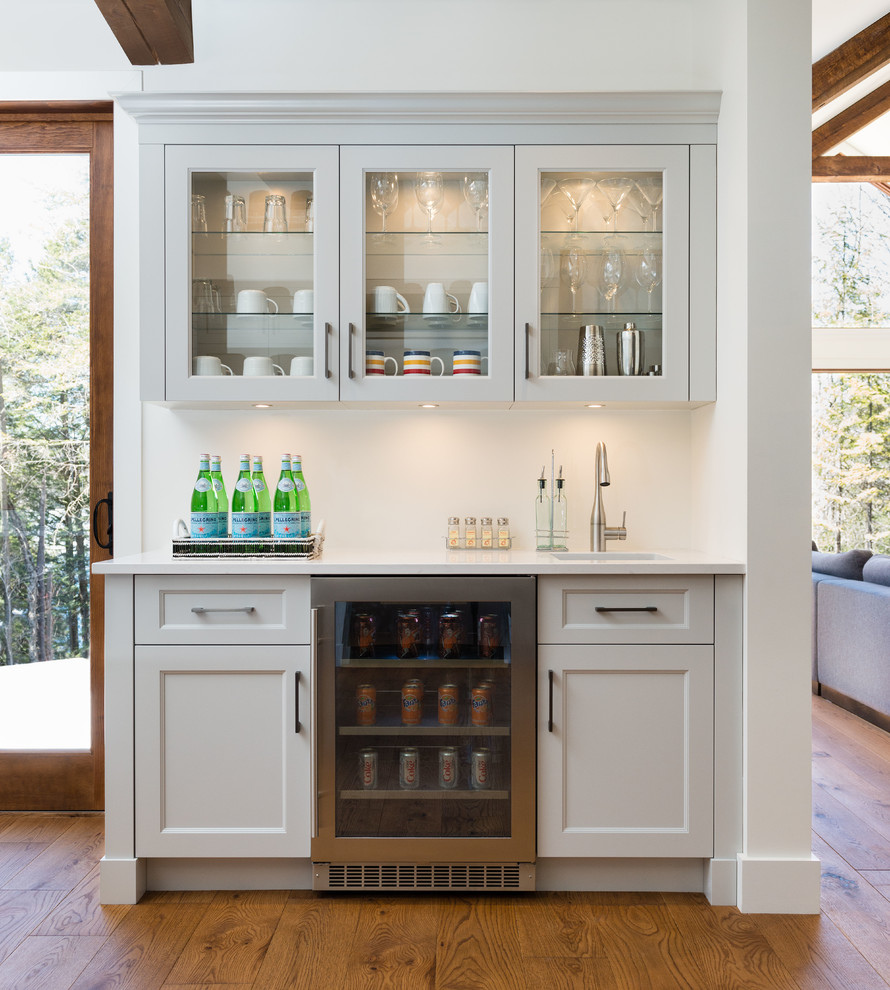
x: 630, y: 350
x: 591, y: 350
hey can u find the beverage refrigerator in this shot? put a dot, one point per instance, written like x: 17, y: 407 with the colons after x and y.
x: 424, y: 733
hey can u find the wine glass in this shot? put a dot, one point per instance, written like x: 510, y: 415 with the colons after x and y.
x: 615, y: 190
x: 429, y: 188
x: 651, y: 190
x: 475, y: 186
x: 384, y: 191
x: 613, y: 272
x: 574, y: 269
x: 649, y: 273
x: 576, y: 190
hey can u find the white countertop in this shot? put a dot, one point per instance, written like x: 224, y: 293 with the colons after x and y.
x: 383, y: 562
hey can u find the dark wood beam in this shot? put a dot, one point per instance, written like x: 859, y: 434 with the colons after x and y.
x: 851, y: 168
x: 851, y: 62
x: 152, y: 32
x: 851, y: 120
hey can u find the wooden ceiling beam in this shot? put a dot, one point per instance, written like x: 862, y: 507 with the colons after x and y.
x: 851, y: 62
x: 851, y: 168
x: 851, y: 120
x: 152, y: 32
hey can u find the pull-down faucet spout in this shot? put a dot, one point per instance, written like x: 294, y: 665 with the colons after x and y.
x: 599, y: 531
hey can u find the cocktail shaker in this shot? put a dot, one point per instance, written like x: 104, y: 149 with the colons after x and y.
x: 630, y: 350
x: 591, y: 350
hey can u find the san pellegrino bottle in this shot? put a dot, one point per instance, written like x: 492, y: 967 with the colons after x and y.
x: 222, y: 499
x: 263, y: 500
x: 304, y: 505
x: 285, y: 516
x: 244, y: 503
x: 203, y: 510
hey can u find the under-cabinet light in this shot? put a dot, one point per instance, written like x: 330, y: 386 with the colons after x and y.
x: 595, y: 405
x: 429, y: 405
x: 262, y: 405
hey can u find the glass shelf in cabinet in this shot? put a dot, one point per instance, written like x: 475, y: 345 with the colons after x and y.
x: 422, y: 794
x: 600, y: 232
x: 252, y: 243
x: 414, y: 322
x: 446, y: 242
x: 424, y: 730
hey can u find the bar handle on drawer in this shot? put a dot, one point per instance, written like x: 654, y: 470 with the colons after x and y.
x: 627, y: 608
x: 200, y: 610
x: 297, y: 701
x: 550, y: 701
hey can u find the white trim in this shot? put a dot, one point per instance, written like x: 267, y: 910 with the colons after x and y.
x: 851, y: 349
x: 779, y: 886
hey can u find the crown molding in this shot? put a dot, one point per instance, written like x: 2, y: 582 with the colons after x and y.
x: 663, y: 107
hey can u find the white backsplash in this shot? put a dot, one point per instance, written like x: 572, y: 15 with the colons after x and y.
x: 391, y: 478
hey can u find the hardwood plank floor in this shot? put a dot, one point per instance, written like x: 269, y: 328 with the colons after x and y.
x: 54, y: 935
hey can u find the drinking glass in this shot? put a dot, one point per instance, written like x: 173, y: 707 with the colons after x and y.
x: 649, y: 273
x: 574, y: 268
x: 384, y: 191
x: 199, y: 213
x: 613, y: 272
x: 236, y: 213
x: 615, y: 190
x: 651, y: 190
x: 475, y: 186
x: 576, y: 190
x: 429, y: 188
x: 564, y: 363
x: 275, y: 218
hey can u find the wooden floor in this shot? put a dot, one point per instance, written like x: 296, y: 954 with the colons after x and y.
x: 55, y: 936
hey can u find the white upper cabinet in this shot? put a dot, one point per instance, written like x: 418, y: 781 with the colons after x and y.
x: 427, y: 274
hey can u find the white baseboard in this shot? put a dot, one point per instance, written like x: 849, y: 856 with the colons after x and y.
x: 121, y: 881
x: 779, y: 886
x: 721, y: 881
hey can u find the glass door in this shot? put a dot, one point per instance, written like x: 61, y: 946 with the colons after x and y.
x: 427, y: 288
x: 602, y: 273
x: 426, y: 733
x: 255, y: 318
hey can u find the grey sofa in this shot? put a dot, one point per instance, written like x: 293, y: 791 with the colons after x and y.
x: 851, y: 632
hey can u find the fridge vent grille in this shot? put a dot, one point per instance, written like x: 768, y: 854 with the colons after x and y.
x: 426, y: 876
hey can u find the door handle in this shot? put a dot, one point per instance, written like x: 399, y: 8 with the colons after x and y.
x: 626, y: 608
x: 297, y: 701
x: 528, y: 332
x: 550, y: 701
x: 109, y: 530
x: 328, y: 330
x: 200, y: 610
x: 349, y: 348
x: 313, y: 727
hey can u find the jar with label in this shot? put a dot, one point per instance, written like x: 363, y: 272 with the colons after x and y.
x: 486, y: 535
x: 503, y: 533
x: 470, y: 533
x: 454, y: 532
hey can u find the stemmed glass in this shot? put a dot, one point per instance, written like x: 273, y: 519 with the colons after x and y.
x: 613, y: 272
x: 649, y: 273
x: 429, y: 188
x: 574, y: 269
x: 576, y: 190
x: 384, y: 191
x: 475, y: 186
x: 615, y: 190
x: 651, y: 190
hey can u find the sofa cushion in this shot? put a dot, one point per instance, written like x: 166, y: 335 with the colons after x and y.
x: 843, y: 565
x: 877, y: 569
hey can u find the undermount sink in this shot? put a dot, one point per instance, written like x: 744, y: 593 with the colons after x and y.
x: 582, y: 555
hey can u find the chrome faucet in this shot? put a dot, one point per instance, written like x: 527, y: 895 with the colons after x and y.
x: 599, y: 531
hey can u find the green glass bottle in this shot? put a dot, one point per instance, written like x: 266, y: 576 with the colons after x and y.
x: 244, y: 503
x: 304, y: 505
x: 263, y: 499
x: 203, y: 510
x: 285, y: 517
x: 222, y: 499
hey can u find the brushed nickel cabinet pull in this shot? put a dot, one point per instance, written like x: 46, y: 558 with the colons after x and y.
x: 200, y: 610
x: 626, y: 608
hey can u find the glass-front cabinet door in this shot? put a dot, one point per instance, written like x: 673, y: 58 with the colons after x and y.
x: 426, y: 274
x: 251, y: 240
x: 602, y: 273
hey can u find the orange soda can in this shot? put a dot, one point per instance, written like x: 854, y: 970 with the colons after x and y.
x: 448, y: 699
x: 480, y: 704
x: 365, y: 704
x: 412, y: 702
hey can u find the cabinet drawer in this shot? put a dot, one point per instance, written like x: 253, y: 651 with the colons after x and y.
x: 196, y: 609
x: 626, y: 609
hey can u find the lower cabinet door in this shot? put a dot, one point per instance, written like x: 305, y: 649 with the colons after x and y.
x: 625, y: 764
x: 223, y: 751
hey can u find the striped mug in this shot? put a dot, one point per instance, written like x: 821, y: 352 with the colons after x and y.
x: 467, y: 362
x: 418, y: 363
x: 376, y: 363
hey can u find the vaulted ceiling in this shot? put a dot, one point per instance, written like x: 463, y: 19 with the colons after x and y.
x: 152, y: 32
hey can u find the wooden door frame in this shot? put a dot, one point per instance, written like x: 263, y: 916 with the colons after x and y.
x: 53, y: 781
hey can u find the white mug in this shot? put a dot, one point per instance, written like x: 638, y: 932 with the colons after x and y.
x: 259, y: 365
x: 436, y: 300
x: 478, y: 298
x: 376, y: 363
x: 301, y: 365
x: 387, y: 300
x: 255, y: 301
x: 467, y: 362
x: 304, y: 301
x: 418, y: 363
x: 208, y: 364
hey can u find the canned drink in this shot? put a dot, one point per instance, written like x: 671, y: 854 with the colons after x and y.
x: 367, y: 769
x: 489, y: 636
x: 448, y: 767
x: 448, y: 704
x: 480, y: 769
x: 449, y: 635
x: 365, y: 634
x: 480, y: 704
x: 408, y: 634
x: 412, y: 702
x: 365, y: 704
x: 409, y: 768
